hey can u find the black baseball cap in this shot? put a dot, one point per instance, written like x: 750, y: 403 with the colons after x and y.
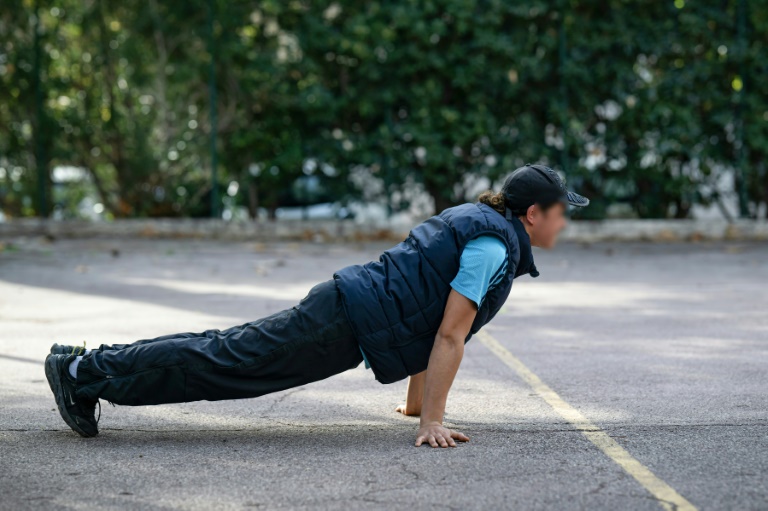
x: 537, y: 184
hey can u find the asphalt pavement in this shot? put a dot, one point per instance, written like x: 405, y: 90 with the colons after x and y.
x: 663, y: 348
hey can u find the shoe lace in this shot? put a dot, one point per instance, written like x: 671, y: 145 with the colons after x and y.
x: 76, y: 350
x: 98, y: 402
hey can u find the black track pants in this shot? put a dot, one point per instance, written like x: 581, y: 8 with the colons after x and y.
x: 305, y: 343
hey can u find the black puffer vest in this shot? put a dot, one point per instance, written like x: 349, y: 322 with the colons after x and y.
x: 395, y: 305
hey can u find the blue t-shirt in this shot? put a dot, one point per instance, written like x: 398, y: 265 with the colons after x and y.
x: 481, y: 267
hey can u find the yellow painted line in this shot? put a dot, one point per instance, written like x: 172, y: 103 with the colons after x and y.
x: 665, y: 494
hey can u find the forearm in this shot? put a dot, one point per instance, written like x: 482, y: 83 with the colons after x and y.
x: 444, y: 363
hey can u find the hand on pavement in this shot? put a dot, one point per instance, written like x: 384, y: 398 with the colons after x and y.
x: 438, y: 435
x: 405, y: 411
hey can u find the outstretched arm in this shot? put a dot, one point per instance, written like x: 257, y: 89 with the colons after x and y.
x: 444, y: 361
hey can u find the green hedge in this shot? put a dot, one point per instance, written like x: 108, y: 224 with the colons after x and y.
x: 649, y: 104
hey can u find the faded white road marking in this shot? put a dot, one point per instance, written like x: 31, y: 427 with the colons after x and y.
x: 662, y: 492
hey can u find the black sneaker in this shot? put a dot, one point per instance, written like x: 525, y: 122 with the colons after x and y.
x: 79, y: 414
x: 65, y: 349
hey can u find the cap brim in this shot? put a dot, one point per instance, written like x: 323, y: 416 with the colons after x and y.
x: 574, y: 199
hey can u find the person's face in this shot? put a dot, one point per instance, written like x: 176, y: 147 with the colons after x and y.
x: 545, y: 225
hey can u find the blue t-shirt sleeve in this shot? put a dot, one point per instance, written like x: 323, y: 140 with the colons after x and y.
x: 481, y: 261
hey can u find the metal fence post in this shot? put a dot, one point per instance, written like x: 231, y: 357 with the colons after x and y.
x: 215, y: 206
x: 561, y: 57
x: 741, y: 155
x: 40, y: 163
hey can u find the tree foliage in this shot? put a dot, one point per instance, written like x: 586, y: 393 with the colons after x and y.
x: 651, y: 104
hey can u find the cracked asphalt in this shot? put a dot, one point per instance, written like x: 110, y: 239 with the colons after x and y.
x: 663, y: 346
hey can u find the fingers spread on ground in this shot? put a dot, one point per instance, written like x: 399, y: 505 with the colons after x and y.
x: 432, y: 441
x: 459, y: 436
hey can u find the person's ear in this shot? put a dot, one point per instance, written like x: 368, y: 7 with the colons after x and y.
x: 530, y: 215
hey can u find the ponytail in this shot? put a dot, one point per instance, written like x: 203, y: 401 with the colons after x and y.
x: 494, y: 200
